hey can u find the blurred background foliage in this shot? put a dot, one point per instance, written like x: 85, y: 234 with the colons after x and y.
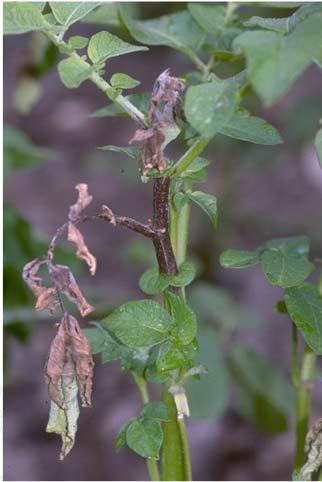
x: 263, y: 192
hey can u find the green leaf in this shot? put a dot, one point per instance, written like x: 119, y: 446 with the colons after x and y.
x: 152, y: 282
x: 139, y: 323
x: 77, y: 42
x: 68, y: 13
x: 206, y: 202
x: 171, y: 356
x: 103, y: 46
x: 177, y: 30
x: 285, y: 261
x: 21, y: 17
x: 26, y: 95
x: 235, y: 258
x: 121, y: 436
x: 180, y: 199
x: 155, y: 411
x: 101, y: 342
x: 209, y: 395
x: 304, y: 304
x: 267, y: 408
x: 145, y: 437
x: 129, y: 151
x: 64, y: 422
x: 123, y: 81
x: 187, y: 273
x: 185, y: 321
x: 141, y: 101
x: 246, y: 127
x: 211, y: 18
x: 280, y: 25
x: 275, y: 61
x: 196, y: 170
x: 318, y: 145
x: 208, y: 107
x: 73, y: 72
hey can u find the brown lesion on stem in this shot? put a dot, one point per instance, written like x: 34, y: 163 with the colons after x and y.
x: 157, y: 231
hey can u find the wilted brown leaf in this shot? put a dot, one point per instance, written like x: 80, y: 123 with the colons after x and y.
x: 151, y: 154
x: 68, y: 372
x: 82, y: 358
x: 46, y: 297
x: 65, y: 282
x: 76, y: 237
x: 84, y: 199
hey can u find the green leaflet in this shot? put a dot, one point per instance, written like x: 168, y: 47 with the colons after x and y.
x: 64, y: 422
x: 21, y: 17
x: 318, y: 145
x: 77, y: 42
x: 211, y: 18
x: 68, y: 13
x: 275, y: 61
x: 101, y: 342
x: 235, y: 258
x: 249, y: 128
x: 145, y: 437
x: 139, y: 323
x: 284, y: 260
x: 171, y: 356
x: 187, y: 272
x: 177, y: 30
x: 73, y: 72
x: 206, y: 202
x: 121, y: 436
x: 129, y: 151
x: 304, y: 305
x: 103, y: 46
x: 184, y: 319
x: 208, y: 107
x: 280, y: 25
x: 180, y: 199
x: 123, y: 81
x: 152, y: 282
x: 155, y: 411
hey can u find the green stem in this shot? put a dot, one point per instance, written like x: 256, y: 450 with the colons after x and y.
x: 175, y: 461
x: 101, y: 83
x: 302, y: 378
x: 152, y: 465
x: 197, y: 147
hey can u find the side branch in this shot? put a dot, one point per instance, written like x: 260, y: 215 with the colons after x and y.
x: 129, y: 223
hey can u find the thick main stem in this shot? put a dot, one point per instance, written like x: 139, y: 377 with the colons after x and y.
x: 302, y: 378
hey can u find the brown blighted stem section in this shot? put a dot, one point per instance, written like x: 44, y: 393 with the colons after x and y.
x: 162, y: 242
x: 158, y: 231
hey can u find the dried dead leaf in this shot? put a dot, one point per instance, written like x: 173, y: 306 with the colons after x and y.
x: 65, y: 282
x: 46, y: 297
x: 68, y: 372
x: 84, y: 199
x: 76, y: 237
x: 83, y: 361
x: 151, y: 153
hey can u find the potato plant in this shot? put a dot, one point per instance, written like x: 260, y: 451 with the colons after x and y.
x: 232, y: 54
